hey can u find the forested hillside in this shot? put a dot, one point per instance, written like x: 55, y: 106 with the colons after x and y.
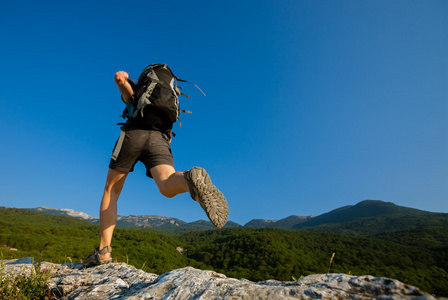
x: 274, y: 253
x: 63, y: 239
x: 416, y: 256
x: 372, y: 217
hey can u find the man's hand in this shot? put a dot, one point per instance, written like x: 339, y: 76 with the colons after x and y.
x: 121, y: 77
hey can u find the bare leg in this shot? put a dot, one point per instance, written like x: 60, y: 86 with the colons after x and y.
x: 108, y: 210
x: 212, y: 201
x: 169, y: 182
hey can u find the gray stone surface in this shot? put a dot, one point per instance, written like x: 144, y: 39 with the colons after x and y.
x: 122, y: 281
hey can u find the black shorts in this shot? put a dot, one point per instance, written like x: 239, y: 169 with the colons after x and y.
x: 151, y: 147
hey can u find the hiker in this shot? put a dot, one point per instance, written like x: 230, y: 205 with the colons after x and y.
x: 146, y: 137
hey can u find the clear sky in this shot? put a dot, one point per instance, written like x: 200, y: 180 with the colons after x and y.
x: 311, y: 105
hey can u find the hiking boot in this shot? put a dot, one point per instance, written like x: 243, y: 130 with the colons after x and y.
x: 209, y: 197
x: 94, y: 259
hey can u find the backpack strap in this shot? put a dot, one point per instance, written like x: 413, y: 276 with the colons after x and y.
x: 119, y: 144
x: 144, y: 98
x: 181, y: 80
x: 178, y: 79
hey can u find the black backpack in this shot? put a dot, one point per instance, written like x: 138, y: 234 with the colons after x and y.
x: 155, y: 104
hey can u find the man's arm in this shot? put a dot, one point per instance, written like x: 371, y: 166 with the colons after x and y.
x: 121, y: 79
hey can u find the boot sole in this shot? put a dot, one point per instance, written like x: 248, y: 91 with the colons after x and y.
x: 211, y: 199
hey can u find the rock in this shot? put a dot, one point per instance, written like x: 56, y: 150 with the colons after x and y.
x: 122, y: 281
x: 18, y: 266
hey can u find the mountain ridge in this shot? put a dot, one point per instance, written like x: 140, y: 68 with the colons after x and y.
x: 162, y: 223
x: 349, y: 219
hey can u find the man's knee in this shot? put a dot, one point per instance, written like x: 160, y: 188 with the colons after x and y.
x: 115, y: 181
x: 162, y: 176
x: 112, y: 187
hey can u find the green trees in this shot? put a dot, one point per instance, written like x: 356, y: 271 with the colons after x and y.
x: 259, y: 254
x: 416, y: 256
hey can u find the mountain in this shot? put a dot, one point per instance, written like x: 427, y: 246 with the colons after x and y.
x: 145, y: 221
x: 367, y: 218
x: 371, y: 217
x: 27, y: 217
x: 205, y: 225
x: 166, y: 224
x: 364, y: 209
x: 64, y: 212
x: 286, y: 223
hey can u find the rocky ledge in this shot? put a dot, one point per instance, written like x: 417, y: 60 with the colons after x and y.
x: 122, y: 281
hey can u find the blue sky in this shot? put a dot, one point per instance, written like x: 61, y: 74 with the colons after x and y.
x: 310, y: 106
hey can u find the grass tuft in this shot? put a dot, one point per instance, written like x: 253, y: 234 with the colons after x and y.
x: 22, y: 286
x: 331, y: 261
